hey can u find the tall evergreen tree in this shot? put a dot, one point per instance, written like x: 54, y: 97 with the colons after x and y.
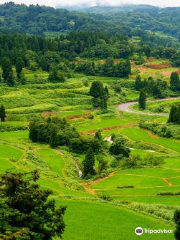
x: 22, y: 78
x: 97, y: 89
x: 53, y: 138
x: 142, y: 100
x: 106, y: 91
x: 7, y: 68
x: 19, y: 66
x: 10, y: 80
x: 88, y: 163
x: 174, y: 81
x: 174, y: 116
x: 138, y: 83
x: 33, y: 131
x: 103, y: 103
x: 2, y: 113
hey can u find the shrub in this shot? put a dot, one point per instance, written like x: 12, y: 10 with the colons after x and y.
x: 105, y: 197
x: 91, y: 116
x: 168, y: 193
x: 6, y: 128
x: 121, y: 187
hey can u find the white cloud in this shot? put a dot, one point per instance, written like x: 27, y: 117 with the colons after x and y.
x: 54, y: 3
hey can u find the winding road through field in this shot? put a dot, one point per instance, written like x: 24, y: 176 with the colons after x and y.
x: 126, y: 107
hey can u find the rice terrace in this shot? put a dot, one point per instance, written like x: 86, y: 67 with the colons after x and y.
x: 90, y: 123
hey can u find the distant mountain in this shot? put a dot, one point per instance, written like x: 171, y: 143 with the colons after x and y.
x: 123, y: 8
x: 40, y: 19
x: 146, y: 22
x: 163, y: 21
x: 47, y: 20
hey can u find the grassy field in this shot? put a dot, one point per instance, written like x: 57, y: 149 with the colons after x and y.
x: 118, y: 223
x: 87, y: 216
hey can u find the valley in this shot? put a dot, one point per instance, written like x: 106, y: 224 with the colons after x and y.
x: 90, y: 122
x: 58, y: 167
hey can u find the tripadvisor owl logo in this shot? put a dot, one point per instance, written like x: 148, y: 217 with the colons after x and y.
x: 139, y: 231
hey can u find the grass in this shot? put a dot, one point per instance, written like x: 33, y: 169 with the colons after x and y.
x: 147, y: 183
x: 139, y: 134
x: 54, y: 160
x: 16, y: 136
x: 101, y: 122
x: 5, y: 165
x: 118, y: 223
x: 7, y: 151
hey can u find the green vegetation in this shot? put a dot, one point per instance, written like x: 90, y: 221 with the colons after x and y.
x: 174, y: 81
x: 60, y: 118
x: 20, y: 200
x: 142, y: 100
x: 88, y: 163
x: 2, y: 113
x: 174, y: 116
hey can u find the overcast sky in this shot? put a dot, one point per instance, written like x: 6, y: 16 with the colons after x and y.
x: 55, y: 3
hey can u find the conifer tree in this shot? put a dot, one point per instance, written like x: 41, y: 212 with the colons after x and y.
x: 88, y: 163
x: 53, y: 138
x: 174, y: 81
x: 142, y: 100
x: 10, y: 80
x: 138, y: 83
x: 19, y: 66
x: 7, y: 68
x: 22, y: 78
x: 174, y: 115
x: 2, y: 113
x: 97, y: 89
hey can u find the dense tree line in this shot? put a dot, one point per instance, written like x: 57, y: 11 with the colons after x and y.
x: 63, y: 55
x: 40, y: 20
x: 109, y: 68
x: 57, y: 132
x: 153, y: 87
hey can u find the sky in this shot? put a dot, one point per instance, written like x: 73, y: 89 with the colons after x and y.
x: 56, y: 3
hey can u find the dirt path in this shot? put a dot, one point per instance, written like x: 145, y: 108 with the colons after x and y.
x: 101, y: 179
x: 126, y: 107
x: 167, y: 181
x: 92, y: 132
x: 87, y: 186
x: 88, y: 189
